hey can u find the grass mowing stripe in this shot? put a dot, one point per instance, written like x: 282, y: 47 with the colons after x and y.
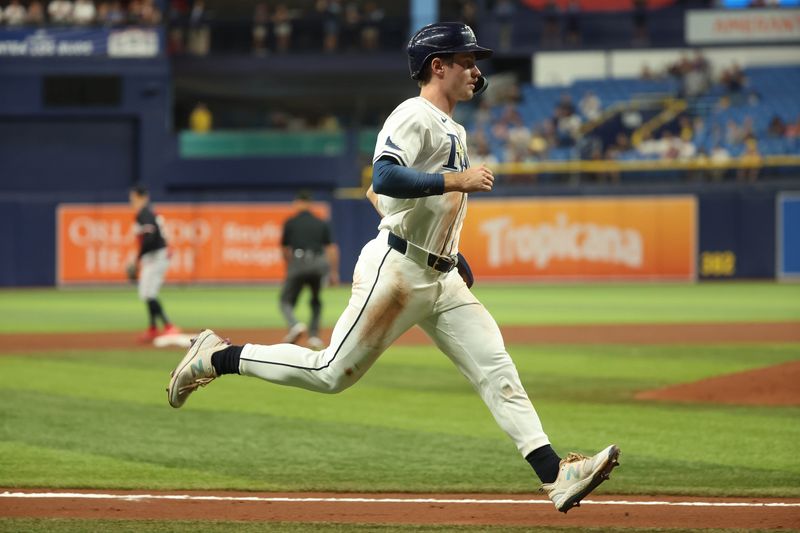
x: 394, y: 431
x: 108, y: 309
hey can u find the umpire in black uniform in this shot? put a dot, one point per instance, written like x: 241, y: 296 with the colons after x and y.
x: 311, y: 257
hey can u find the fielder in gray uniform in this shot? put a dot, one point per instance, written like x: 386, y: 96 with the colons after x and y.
x: 152, y: 262
x: 311, y: 259
x: 408, y: 274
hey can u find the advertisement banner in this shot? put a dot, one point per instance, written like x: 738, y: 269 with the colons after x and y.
x: 207, y: 242
x: 601, y: 238
x: 81, y: 42
x: 741, y: 26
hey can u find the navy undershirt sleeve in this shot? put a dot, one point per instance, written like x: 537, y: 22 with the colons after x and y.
x: 389, y: 178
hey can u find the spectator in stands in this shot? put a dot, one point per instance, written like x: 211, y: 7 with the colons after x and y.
x: 84, y: 13
x: 177, y: 14
x: 573, y: 23
x: 567, y: 122
x: 480, y: 151
x: 551, y: 29
x: 199, y: 35
x: 698, y: 128
x: 116, y: 15
x: 134, y: 13
x: 734, y: 81
x: 350, y: 38
x: 260, y: 29
x: 282, y: 26
x: 719, y: 158
x: 751, y: 162
x: 733, y: 133
x: 641, y: 35
x: 590, y: 106
x: 504, y: 11
x: 777, y: 127
x: 539, y: 144
x: 371, y: 29
x: 151, y: 15
x: 469, y: 14
x: 647, y: 73
x: 621, y: 144
x: 686, y: 132
x: 201, y: 120
x: 701, y: 172
x: 15, y: 14
x: 483, y: 115
x: 35, y: 14
x: 60, y: 12
x: 518, y: 142
x: 696, y: 78
x: 332, y: 25
x: 793, y: 128
x: 670, y: 146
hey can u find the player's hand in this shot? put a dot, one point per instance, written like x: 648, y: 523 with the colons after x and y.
x: 132, y: 271
x: 333, y: 279
x: 474, y: 179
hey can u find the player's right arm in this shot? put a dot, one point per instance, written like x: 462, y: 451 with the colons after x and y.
x: 393, y: 179
x: 474, y: 179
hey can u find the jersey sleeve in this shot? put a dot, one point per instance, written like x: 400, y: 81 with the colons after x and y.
x: 285, y: 235
x: 401, y: 136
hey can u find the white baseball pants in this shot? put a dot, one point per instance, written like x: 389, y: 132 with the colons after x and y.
x: 153, y: 268
x: 391, y: 293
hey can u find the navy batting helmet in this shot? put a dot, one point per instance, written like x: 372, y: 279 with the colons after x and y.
x: 443, y: 38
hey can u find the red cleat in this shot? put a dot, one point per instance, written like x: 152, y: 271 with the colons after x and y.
x: 169, y: 329
x: 149, y: 334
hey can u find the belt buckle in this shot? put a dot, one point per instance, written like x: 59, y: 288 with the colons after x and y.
x: 443, y: 264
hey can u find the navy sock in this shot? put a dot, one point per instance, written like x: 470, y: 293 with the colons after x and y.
x: 226, y: 361
x: 544, y: 461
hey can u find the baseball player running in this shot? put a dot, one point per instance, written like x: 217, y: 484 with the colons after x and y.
x: 152, y: 262
x: 407, y: 275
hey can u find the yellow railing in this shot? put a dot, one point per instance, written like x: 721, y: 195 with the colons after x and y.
x: 578, y: 166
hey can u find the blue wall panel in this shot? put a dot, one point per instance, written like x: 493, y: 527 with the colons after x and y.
x: 53, y: 154
x: 788, y: 236
x: 736, y: 236
x: 28, y: 248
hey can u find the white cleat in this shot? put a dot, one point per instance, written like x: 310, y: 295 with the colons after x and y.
x: 578, y: 475
x: 195, y: 369
x: 315, y: 343
x: 295, y: 332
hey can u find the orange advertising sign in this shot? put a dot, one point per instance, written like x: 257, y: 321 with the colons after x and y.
x: 598, y: 238
x: 208, y: 242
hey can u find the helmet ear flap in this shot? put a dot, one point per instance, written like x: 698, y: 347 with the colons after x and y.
x: 480, y: 85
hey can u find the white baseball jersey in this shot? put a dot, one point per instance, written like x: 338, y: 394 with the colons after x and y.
x: 393, y: 291
x: 419, y: 135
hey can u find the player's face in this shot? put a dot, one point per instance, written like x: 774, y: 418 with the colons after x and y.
x: 136, y: 201
x: 462, y: 76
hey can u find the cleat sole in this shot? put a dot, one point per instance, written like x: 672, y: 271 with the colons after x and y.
x: 599, y: 477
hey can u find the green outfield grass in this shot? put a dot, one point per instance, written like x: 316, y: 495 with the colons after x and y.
x: 109, y: 309
x: 99, y: 419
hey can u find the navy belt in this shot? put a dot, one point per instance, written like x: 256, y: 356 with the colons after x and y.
x: 440, y: 263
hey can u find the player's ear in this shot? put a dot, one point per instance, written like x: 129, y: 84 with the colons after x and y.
x: 437, y: 66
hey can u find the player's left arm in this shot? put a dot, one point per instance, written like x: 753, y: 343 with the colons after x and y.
x: 373, y: 199
x: 332, y: 254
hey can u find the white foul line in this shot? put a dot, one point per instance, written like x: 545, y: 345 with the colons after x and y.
x: 278, y: 499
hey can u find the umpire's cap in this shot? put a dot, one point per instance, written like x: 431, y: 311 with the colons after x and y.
x: 442, y: 38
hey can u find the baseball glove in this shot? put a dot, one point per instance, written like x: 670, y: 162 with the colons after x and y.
x: 465, y: 271
x: 132, y: 271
